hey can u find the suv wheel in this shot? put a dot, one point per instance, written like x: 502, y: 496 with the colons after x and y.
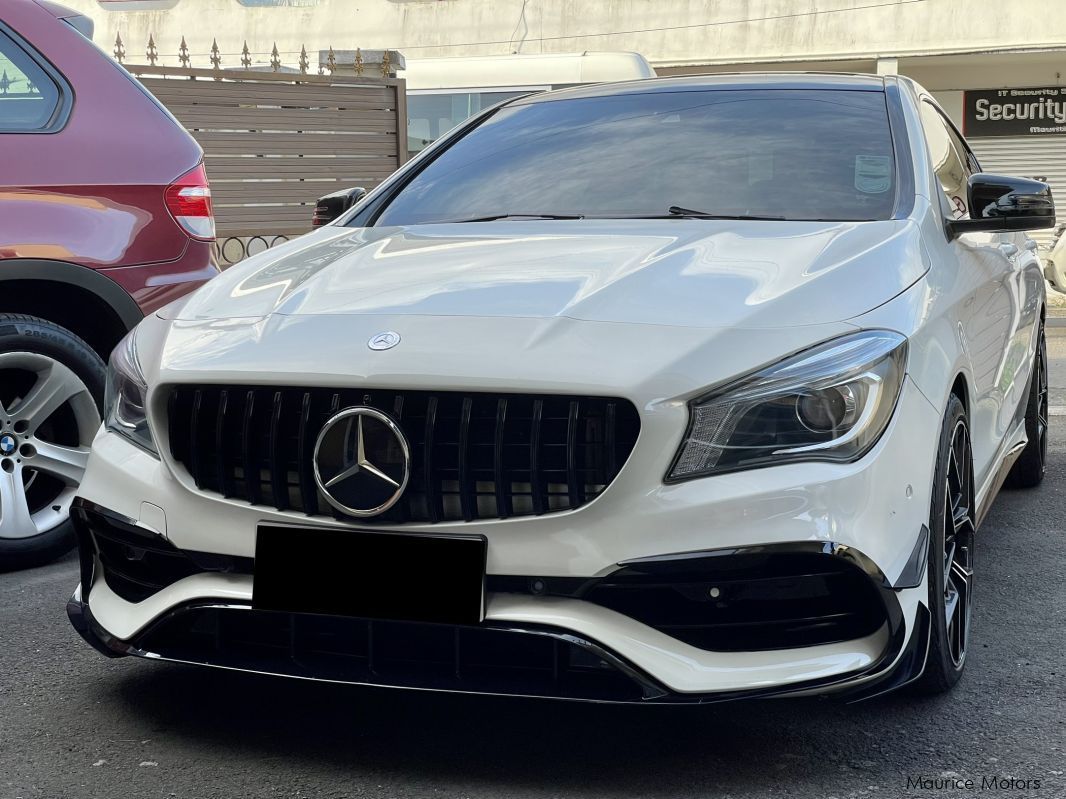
x: 1028, y: 470
x: 51, y: 395
x: 951, y: 550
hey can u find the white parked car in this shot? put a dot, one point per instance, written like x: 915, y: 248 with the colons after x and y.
x: 673, y: 390
x: 1055, y: 263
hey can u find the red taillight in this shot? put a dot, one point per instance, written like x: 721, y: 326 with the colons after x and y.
x: 189, y: 201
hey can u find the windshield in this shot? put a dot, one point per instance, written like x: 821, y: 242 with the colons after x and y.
x: 781, y: 154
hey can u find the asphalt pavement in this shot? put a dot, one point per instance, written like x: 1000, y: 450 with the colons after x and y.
x: 73, y: 724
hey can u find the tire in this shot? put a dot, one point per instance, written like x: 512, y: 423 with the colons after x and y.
x: 1028, y: 471
x: 951, y: 555
x: 951, y: 550
x: 51, y: 399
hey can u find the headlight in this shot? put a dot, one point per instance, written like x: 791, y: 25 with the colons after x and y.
x: 125, y: 398
x: 829, y: 403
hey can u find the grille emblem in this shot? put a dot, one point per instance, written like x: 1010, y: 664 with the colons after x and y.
x: 362, y: 462
x: 384, y: 341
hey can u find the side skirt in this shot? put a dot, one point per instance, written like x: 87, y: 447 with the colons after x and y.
x: 993, y: 487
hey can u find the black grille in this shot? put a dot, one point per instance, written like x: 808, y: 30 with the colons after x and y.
x: 432, y: 656
x: 473, y: 456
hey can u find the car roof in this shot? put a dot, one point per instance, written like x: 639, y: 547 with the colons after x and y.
x: 732, y: 81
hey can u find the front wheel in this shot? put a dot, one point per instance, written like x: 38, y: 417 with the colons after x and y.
x: 951, y: 551
x: 51, y: 394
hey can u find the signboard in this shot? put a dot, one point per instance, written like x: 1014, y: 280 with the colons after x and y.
x: 1014, y: 112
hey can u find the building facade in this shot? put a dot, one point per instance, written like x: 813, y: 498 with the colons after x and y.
x: 997, y: 68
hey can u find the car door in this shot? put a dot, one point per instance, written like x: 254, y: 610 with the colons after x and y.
x: 997, y: 277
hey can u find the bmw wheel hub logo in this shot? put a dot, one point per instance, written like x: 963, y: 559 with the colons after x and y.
x: 8, y: 444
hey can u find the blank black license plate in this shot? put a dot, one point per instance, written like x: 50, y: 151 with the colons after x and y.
x: 407, y: 577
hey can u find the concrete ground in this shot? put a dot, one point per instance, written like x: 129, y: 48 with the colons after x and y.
x: 73, y: 724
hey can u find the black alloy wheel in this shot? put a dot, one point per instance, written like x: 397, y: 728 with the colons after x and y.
x: 951, y: 555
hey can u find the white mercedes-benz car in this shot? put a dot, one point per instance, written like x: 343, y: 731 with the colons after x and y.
x: 668, y: 391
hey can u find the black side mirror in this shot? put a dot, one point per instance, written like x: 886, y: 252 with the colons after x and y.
x: 333, y: 205
x: 999, y: 203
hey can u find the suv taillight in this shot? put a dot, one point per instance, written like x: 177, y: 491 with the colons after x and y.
x: 189, y: 201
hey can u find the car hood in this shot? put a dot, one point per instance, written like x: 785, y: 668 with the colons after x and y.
x: 653, y: 311
x: 676, y: 272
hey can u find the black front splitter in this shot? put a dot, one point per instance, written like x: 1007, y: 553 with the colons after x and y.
x: 887, y: 674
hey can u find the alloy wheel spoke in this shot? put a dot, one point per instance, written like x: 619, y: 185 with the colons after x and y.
x: 949, y: 557
x: 951, y: 605
x: 961, y: 574
x: 66, y: 463
x: 16, y: 521
x: 954, y: 489
x: 960, y: 517
x: 958, y: 542
x: 55, y: 385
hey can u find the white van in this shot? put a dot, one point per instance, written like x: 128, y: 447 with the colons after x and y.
x: 442, y: 92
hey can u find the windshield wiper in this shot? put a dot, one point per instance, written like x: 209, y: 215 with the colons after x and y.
x: 686, y: 213
x: 494, y: 217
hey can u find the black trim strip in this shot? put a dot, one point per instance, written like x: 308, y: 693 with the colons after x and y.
x: 64, y: 91
x: 901, y: 147
x: 914, y: 570
x: 126, y: 310
x: 503, y: 493
x: 278, y: 468
x: 467, y: 492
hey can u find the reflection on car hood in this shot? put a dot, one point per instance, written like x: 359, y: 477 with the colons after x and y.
x: 676, y: 272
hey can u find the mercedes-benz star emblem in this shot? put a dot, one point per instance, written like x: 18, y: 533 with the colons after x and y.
x: 362, y: 462
x: 384, y: 341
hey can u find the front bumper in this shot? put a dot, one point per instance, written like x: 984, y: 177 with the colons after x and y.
x: 497, y: 657
x: 548, y: 581
x: 807, y: 598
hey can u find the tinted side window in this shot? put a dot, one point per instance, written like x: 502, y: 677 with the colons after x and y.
x: 950, y: 158
x: 28, y: 96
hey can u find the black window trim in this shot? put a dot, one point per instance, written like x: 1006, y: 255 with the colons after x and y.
x: 901, y: 147
x: 61, y: 114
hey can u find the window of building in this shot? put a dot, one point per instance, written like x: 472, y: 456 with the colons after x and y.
x: 28, y: 96
x: 431, y: 115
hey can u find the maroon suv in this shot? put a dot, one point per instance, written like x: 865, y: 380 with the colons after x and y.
x: 105, y: 215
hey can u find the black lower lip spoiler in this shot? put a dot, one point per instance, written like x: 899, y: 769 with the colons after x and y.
x: 888, y: 674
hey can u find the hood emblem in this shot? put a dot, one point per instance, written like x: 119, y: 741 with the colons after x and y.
x: 362, y: 462
x: 384, y: 341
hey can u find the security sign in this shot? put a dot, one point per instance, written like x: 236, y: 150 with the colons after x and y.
x: 1014, y: 112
